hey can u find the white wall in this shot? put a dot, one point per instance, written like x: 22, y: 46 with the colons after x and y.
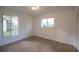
x: 78, y: 32
x: 25, y: 27
x: 64, y: 30
x: 0, y: 25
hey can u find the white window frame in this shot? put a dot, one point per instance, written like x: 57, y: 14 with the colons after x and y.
x: 11, y: 26
x: 47, y: 24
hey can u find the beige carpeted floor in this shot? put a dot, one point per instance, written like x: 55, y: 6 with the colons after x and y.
x: 37, y: 44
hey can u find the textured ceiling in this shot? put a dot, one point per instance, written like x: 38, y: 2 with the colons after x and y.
x: 41, y: 11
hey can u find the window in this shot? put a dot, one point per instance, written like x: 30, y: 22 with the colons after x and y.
x: 10, y: 25
x: 48, y: 23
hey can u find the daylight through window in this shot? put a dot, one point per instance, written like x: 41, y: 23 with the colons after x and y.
x: 48, y: 23
x: 10, y: 25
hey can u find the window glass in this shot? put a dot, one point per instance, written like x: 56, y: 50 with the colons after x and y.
x: 10, y: 25
x: 50, y: 22
x: 44, y: 23
x: 47, y: 22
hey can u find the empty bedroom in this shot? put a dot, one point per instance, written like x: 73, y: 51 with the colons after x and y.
x: 39, y: 29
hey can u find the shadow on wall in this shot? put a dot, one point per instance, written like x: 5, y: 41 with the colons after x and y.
x: 66, y: 37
